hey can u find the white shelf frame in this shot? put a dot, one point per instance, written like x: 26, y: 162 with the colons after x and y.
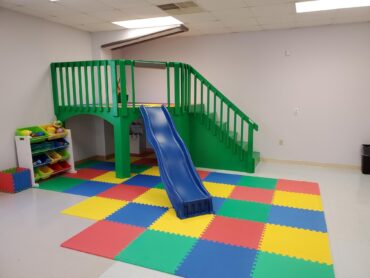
x: 24, y: 154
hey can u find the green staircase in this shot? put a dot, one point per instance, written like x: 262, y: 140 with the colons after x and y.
x: 218, y: 134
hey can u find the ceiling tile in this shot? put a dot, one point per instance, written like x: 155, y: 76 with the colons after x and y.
x: 241, y: 29
x: 146, y: 11
x: 253, y: 3
x: 274, y: 26
x: 233, y: 13
x: 116, y: 15
x: 197, y: 17
x: 121, y: 4
x: 216, y: 5
x: 277, y: 19
x: 162, y: 2
x: 98, y: 27
x: 274, y: 10
x: 235, y: 23
x: 85, y: 5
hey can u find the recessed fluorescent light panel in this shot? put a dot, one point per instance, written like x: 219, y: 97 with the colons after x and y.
x: 325, y: 5
x: 149, y: 22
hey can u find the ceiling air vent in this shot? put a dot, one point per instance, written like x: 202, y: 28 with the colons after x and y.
x: 167, y: 7
x: 186, y: 7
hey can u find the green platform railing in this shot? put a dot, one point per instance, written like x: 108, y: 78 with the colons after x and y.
x: 101, y: 87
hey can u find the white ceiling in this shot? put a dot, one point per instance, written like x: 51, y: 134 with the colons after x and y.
x: 219, y: 16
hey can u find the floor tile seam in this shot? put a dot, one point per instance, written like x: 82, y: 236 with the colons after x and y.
x: 227, y: 243
x: 121, y: 223
x: 290, y: 206
x: 299, y: 193
x: 171, y: 233
x: 302, y: 209
x: 244, y: 200
x: 298, y: 228
x: 142, y: 203
x: 254, y: 265
x: 298, y: 258
x: 233, y: 185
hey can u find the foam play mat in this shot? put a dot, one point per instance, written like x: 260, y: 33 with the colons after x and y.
x: 262, y: 227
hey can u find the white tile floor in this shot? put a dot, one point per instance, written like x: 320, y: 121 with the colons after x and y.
x: 32, y: 229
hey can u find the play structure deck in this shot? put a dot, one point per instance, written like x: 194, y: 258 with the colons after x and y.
x: 215, y: 131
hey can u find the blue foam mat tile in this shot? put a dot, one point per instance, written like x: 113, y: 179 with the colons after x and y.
x: 217, y: 203
x: 144, y: 180
x: 108, y: 166
x: 223, y: 178
x: 299, y: 218
x: 211, y: 259
x: 137, y: 215
x: 89, y: 188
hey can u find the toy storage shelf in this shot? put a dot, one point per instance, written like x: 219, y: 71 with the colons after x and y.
x: 56, y: 152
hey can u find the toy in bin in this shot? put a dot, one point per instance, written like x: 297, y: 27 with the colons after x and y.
x: 36, y: 133
x: 55, y: 130
x: 15, y: 180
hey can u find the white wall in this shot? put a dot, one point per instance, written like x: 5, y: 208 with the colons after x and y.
x: 326, y: 76
x: 27, y: 47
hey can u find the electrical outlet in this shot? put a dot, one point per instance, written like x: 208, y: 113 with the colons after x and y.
x: 281, y: 142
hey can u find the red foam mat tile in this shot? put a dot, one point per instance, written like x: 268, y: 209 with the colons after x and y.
x: 104, y: 238
x: 252, y: 194
x: 236, y: 232
x: 124, y: 192
x: 298, y: 186
x: 86, y: 173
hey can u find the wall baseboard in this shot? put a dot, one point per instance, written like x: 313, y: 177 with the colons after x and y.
x: 312, y: 163
x: 263, y: 159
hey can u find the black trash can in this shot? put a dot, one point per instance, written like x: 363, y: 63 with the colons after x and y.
x: 365, y: 159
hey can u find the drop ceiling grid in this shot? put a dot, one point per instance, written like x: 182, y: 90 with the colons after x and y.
x: 219, y: 16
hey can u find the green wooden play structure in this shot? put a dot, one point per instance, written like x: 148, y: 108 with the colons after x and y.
x: 217, y: 133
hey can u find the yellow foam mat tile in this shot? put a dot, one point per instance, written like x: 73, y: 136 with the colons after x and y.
x: 134, y: 158
x: 192, y: 227
x: 154, y: 197
x: 154, y: 171
x: 95, y: 208
x: 219, y: 189
x: 152, y: 155
x: 110, y: 177
x: 297, y: 200
x: 299, y: 243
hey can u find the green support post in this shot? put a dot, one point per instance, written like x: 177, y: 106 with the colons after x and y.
x: 54, y: 88
x: 177, y: 88
x: 250, y: 159
x: 122, y: 147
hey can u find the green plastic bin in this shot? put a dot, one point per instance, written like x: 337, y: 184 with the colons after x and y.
x: 33, y: 129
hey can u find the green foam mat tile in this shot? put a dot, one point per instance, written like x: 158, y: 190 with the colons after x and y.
x: 160, y: 186
x: 87, y: 164
x: 269, y: 265
x: 60, y: 184
x: 157, y: 250
x: 258, y: 182
x: 245, y: 210
x: 138, y: 168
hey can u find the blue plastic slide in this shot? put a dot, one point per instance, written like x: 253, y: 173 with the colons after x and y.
x: 181, y: 181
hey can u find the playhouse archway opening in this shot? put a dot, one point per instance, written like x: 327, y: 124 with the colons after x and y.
x: 102, y: 143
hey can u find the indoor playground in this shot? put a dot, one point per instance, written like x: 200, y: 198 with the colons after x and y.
x: 158, y: 151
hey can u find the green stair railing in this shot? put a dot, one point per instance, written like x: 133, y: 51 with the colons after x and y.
x: 101, y: 87
x: 193, y: 93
